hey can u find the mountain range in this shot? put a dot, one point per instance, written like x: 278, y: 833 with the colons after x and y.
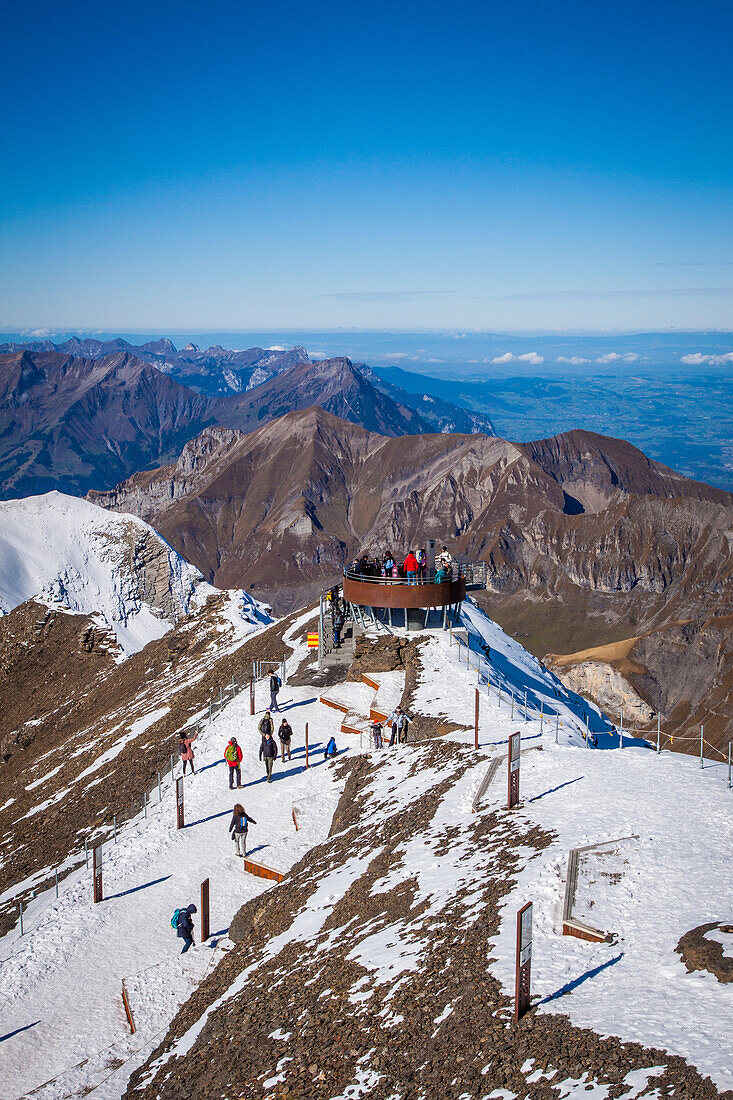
x: 586, y: 540
x: 73, y: 423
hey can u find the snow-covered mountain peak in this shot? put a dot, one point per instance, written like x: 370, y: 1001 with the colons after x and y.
x: 69, y: 553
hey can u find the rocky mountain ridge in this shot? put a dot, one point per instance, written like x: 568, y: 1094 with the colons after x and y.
x: 75, y: 423
x: 619, y: 544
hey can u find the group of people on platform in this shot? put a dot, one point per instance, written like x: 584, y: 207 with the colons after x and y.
x: 414, y: 567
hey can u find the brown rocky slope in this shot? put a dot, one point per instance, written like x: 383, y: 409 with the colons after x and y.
x: 586, y: 540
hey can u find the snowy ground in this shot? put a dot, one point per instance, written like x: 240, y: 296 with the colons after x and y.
x: 676, y: 876
x: 61, y: 988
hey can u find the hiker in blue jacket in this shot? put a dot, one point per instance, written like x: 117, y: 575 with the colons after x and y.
x: 184, y: 927
x: 331, y: 749
x: 238, y: 826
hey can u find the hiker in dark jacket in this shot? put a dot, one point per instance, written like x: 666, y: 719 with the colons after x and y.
x: 266, y: 724
x: 184, y: 928
x: 233, y: 757
x: 185, y: 744
x: 338, y: 626
x: 238, y: 827
x: 331, y: 749
x: 275, y: 685
x: 268, y: 753
x: 285, y: 735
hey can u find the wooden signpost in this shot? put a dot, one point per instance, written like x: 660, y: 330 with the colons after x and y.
x: 97, y: 872
x: 205, y: 925
x: 524, y: 962
x: 515, y: 742
x: 180, y: 820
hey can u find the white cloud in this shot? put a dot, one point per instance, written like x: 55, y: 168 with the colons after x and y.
x: 527, y: 357
x: 696, y: 359
x: 615, y: 357
x: 576, y: 360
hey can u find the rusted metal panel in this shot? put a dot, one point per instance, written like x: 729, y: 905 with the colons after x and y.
x: 378, y: 593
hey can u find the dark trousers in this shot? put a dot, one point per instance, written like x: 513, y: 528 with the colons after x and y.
x: 187, y: 941
x: 188, y: 762
x: 232, y: 770
x: 268, y: 767
x: 273, y: 701
x: 393, y: 738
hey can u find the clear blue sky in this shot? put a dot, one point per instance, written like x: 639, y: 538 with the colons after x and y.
x: 458, y: 164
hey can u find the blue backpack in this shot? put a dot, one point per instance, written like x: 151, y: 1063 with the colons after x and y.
x: 174, y: 919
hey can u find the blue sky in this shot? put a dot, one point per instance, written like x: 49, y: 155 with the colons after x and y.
x: 401, y: 165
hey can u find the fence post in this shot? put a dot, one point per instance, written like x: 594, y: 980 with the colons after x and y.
x: 621, y: 731
x: 557, y: 729
x: 512, y: 714
x: 21, y: 917
x: 160, y: 789
x: 702, y: 746
x: 306, y: 744
x: 205, y: 924
x: 56, y: 874
x: 180, y: 820
x: 172, y: 765
x: 729, y: 775
x: 252, y: 694
x: 525, y: 706
x: 86, y: 853
x: 542, y: 716
x: 475, y: 720
x: 145, y: 803
x: 659, y: 730
x: 114, y: 826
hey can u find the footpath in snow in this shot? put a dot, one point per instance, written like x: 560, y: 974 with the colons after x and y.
x: 61, y: 982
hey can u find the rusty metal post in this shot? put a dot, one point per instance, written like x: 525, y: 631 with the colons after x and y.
x: 97, y: 872
x: 523, y: 962
x: 205, y: 924
x: 702, y: 747
x: 475, y: 720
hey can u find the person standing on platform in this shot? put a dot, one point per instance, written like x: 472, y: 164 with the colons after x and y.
x: 410, y: 568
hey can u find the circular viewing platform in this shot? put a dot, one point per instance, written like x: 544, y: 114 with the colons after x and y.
x: 398, y: 592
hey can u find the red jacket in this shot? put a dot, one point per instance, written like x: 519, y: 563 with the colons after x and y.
x: 233, y: 763
x: 410, y: 564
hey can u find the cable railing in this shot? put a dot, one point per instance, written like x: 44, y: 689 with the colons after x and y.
x: 459, y: 571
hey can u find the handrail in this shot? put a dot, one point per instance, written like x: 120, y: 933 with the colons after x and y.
x: 458, y: 573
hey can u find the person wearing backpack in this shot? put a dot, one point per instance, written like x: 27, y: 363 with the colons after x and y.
x: 184, y: 745
x: 266, y: 724
x: 238, y: 828
x: 338, y: 626
x: 331, y: 749
x: 275, y: 685
x: 268, y: 752
x: 182, y: 921
x: 233, y: 757
x: 285, y: 735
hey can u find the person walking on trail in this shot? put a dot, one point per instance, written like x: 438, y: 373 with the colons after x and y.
x: 275, y: 685
x: 338, y: 626
x: 285, y: 736
x: 238, y: 828
x: 268, y: 753
x: 331, y: 749
x: 266, y: 724
x: 184, y: 926
x: 233, y: 757
x: 409, y: 567
x: 185, y: 743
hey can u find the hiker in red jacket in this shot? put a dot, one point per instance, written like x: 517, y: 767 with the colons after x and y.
x: 409, y: 567
x: 233, y: 757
